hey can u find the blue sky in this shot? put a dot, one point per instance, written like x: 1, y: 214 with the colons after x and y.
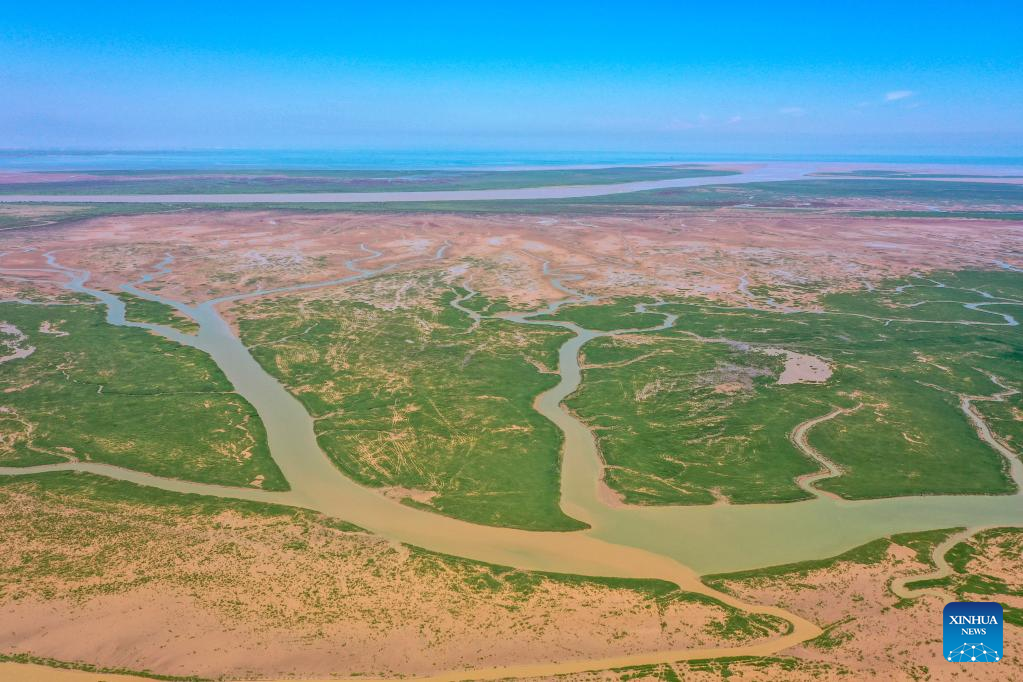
x: 892, y: 77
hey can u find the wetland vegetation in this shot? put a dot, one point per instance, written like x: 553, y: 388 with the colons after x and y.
x: 687, y: 415
x: 96, y: 392
x: 138, y: 309
x: 695, y: 413
x: 980, y: 572
x: 417, y: 397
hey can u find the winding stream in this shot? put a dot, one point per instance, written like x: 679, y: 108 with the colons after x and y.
x: 942, y: 568
x: 670, y: 543
x: 800, y: 438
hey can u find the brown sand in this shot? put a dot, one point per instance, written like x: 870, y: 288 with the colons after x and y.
x: 244, y: 595
x: 723, y: 254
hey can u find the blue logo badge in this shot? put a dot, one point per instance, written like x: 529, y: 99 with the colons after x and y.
x: 972, y: 632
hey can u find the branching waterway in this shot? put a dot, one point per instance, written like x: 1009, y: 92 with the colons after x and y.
x: 670, y: 543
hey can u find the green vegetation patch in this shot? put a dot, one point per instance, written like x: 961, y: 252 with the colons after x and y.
x: 484, y: 305
x: 415, y: 396
x: 92, y: 391
x: 696, y: 413
x: 923, y: 543
x: 679, y: 421
x: 619, y: 313
x: 138, y: 309
x: 986, y: 567
x: 870, y: 553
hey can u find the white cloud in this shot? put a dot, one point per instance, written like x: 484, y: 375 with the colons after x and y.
x: 735, y: 119
x: 896, y: 95
x: 792, y: 111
